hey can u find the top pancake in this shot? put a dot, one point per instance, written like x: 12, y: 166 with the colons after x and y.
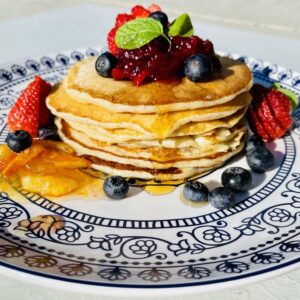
x: 83, y: 84
x: 159, y: 125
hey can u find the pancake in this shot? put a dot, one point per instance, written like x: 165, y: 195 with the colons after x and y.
x: 212, y: 138
x: 83, y: 84
x: 159, y: 130
x: 159, y: 125
x: 113, y: 168
x: 153, y: 157
x: 119, y: 135
x: 172, y: 173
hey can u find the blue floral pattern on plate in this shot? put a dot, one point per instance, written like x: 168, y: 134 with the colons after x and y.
x: 55, y: 240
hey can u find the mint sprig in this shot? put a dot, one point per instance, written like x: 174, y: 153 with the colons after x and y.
x: 182, y: 26
x: 139, y: 32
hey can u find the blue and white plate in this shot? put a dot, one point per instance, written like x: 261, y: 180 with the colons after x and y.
x: 151, y: 242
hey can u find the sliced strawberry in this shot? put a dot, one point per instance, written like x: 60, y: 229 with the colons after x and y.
x: 30, y: 111
x: 139, y: 11
x: 281, y: 107
x: 153, y: 8
x: 270, y: 119
x: 269, y: 113
x: 257, y: 126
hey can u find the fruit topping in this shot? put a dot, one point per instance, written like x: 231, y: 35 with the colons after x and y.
x: 253, y: 142
x: 30, y: 111
x: 221, y: 198
x: 237, y: 179
x: 260, y: 159
x: 198, y: 68
x: 105, y: 63
x: 46, y: 167
x: 139, y: 11
x: 111, y: 41
x: 148, y: 48
x: 291, y: 95
x: 269, y: 114
x: 122, y: 19
x: 160, y: 17
x: 153, y: 7
x: 18, y: 140
x: 48, y: 132
x: 195, y: 191
x: 116, y: 187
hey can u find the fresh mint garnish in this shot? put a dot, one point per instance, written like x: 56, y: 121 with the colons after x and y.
x: 291, y: 95
x: 139, y: 32
x: 182, y: 26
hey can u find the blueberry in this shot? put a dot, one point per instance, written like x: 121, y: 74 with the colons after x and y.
x: 221, y: 198
x: 48, y: 132
x: 105, y: 63
x: 195, y: 191
x: 19, y: 140
x: 237, y: 179
x: 116, y: 187
x: 161, y: 17
x: 253, y: 142
x: 198, y: 68
x: 260, y: 159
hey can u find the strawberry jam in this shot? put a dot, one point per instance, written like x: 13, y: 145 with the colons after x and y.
x: 158, y: 61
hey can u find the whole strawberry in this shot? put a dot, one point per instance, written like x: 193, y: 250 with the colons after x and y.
x: 269, y: 113
x: 30, y: 111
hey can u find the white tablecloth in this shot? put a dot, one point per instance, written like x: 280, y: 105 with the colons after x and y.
x: 83, y: 26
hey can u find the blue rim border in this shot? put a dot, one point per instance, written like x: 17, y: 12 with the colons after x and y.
x: 198, y: 283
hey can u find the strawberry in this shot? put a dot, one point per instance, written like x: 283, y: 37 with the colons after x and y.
x: 112, y: 47
x: 269, y: 114
x: 30, y: 111
x: 139, y: 11
x: 118, y: 74
x: 122, y: 19
x: 140, y: 77
x: 256, y: 125
x: 153, y: 8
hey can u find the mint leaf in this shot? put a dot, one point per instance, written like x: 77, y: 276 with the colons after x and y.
x: 182, y: 26
x: 291, y: 95
x: 138, y: 32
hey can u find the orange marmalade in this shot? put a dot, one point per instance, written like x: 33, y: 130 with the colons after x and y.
x: 48, y: 168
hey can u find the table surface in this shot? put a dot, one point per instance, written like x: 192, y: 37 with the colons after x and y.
x: 81, y: 27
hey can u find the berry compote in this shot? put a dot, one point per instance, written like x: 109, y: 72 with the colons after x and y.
x: 158, y: 61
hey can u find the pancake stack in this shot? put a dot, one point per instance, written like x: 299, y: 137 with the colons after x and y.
x: 159, y: 130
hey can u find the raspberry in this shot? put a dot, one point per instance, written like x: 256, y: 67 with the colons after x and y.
x: 112, y: 47
x: 207, y: 48
x: 269, y: 114
x: 139, y: 11
x: 122, y: 19
x: 153, y: 8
